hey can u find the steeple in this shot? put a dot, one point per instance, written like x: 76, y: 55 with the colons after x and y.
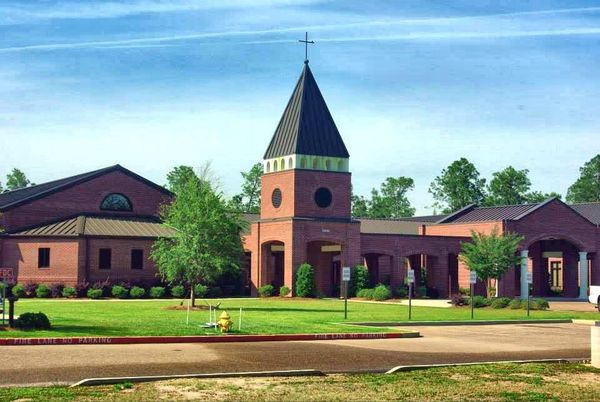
x: 306, y: 136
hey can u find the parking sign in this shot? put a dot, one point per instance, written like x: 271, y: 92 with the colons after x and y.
x: 411, y: 276
x: 473, y: 277
x: 346, y: 273
x: 529, y: 278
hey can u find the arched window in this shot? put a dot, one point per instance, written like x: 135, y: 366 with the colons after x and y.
x: 290, y: 163
x: 268, y: 167
x: 282, y: 164
x: 315, y: 163
x: 341, y: 165
x: 116, y: 202
x: 274, y: 166
x: 327, y: 164
x: 303, y: 163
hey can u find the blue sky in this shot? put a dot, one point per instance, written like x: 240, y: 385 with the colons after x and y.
x: 412, y: 85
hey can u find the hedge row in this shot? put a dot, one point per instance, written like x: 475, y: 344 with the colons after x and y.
x: 103, y: 289
x: 500, y: 302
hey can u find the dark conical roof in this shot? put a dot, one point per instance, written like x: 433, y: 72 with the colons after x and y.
x: 306, y: 126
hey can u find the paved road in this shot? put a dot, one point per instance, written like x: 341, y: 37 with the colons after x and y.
x: 67, y: 364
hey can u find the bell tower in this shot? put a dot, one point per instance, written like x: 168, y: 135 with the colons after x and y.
x: 306, y: 165
x: 305, y: 212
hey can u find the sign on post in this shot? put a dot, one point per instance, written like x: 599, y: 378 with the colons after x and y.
x: 529, y: 278
x: 346, y: 279
x: 472, y: 282
x: 411, y: 279
x: 529, y: 282
x: 346, y: 274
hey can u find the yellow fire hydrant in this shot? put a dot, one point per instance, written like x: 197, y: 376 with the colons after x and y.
x: 224, y: 322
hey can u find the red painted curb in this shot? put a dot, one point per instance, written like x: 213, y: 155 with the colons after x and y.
x: 125, y: 340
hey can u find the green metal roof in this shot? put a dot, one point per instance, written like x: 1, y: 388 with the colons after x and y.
x: 101, y: 226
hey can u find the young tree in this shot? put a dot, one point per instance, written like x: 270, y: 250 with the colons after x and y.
x: 249, y: 199
x: 490, y: 256
x: 587, y: 186
x: 16, y: 180
x: 391, y: 200
x: 207, y: 241
x: 457, y: 186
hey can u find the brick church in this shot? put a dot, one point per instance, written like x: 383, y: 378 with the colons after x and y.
x: 101, y: 225
x: 305, y: 216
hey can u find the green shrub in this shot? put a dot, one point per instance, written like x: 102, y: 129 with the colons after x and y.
x: 120, y: 292
x: 94, y: 293
x: 156, y: 292
x: 69, y: 291
x: 284, y: 291
x: 200, y: 291
x: 43, y: 291
x: 366, y: 293
x: 305, y: 281
x: 359, y: 279
x: 18, y: 290
x: 537, y: 304
x: 500, y: 302
x: 402, y: 292
x: 480, y: 301
x: 464, y: 291
x: 214, y: 292
x: 382, y: 292
x: 32, y: 321
x: 422, y: 291
x: 266, y: 291
x: 515, y: 304
x: 178, y: 291
x: 137, y: 292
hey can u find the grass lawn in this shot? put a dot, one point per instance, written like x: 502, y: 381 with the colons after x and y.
x: 265, y: 316
x: 501, y: 382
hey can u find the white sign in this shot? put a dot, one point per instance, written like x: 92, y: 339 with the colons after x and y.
x: 411, y: 276
x: 529, y: 278
x: 473, y: 277
x: 346, y: 273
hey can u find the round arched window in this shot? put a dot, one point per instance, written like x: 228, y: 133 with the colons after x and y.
x: 323, y: 197
x: 276, y: 198
x: 115, y: 202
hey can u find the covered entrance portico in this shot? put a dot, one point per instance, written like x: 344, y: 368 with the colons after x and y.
x: 559, y: 267
x: 326, y: 259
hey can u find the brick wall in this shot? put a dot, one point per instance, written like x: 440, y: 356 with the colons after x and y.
x: 463, y: 229
x: 121, y: 261
x: 86, y: 198
x: 22, y: 254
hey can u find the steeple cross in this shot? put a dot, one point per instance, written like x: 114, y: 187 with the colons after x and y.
x: 306, y: 42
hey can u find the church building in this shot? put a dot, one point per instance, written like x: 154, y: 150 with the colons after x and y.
x: 305, y: 216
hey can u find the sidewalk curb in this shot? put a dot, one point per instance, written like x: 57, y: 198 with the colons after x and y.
x: 398, y: 369
x: 127, y: 340
x: 119, y: 380
x: 457, y: 323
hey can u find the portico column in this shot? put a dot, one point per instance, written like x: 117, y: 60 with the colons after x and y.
x: 583, y: 275
x: 524, y: 284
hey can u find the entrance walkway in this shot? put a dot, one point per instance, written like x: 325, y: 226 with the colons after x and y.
x: 572, y: 306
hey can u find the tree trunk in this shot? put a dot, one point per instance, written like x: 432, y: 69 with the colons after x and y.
x: 193, y: 296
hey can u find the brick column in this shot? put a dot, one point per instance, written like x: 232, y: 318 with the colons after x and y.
x: 594, y: 263
x: 570, y: 274
x: 397, y: 269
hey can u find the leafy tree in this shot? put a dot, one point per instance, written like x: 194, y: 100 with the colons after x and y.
x: 587, y: 186
x: 391, y: 200
x: 249, y: 199
x: 207, y: 241
x: 359, y: 279
x: 360, y: 206
x: 508, y: 187
x: 490, y: 256
x: 179, y: 176
x: 457, y: 186
x: 538, y: 196
x: 511, y: 186
x: 16, y: 179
